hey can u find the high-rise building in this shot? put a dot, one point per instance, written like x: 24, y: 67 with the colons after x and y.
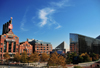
x: 81, y: 44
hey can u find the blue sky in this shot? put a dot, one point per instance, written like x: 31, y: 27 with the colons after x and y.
x: 51, y: 20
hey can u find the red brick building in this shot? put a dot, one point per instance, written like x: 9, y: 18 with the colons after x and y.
x: 43, y: 48
x: 8, y: 41
x: 25, y: 46
x: 74, y: 48
x: 40, y: 47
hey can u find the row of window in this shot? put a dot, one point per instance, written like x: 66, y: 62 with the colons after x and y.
x: 43, y: 45
x: 43, y: 49
x: 9, y: 49
x: 10, y: 37
x: 42, y: 52
x: 22, y: 50
x: 26, y: 45
x: 5, y: 43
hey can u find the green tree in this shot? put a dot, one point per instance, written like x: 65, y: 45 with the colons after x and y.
x: 94, y: 56
x: 44, y: 57
x: 6, y: 56
x: 80, y: 59
x: 17, y: 57
x: 77, y: 67
x: 70, y: 57
x: 85, y: 57
x: 97, y: 56
x: 24, y: 57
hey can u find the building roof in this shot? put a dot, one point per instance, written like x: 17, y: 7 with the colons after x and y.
x: 37, y: 41
x: 21, y: 43
x: 98, y: 37
x: 85, y: 36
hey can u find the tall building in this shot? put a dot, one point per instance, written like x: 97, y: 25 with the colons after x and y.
x: 8, y: 41
x: 40, y: 46
x: 81, y: 44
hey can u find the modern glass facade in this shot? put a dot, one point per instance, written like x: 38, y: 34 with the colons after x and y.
x: 81, y: 44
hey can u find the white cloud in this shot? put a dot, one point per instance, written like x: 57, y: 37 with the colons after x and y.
x: 60, y: 3
x: 43, y: 15
x: 59, y: 26
x: 24, y: 21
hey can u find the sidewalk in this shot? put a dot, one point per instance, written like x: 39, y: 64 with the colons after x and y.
x: 85, y: 64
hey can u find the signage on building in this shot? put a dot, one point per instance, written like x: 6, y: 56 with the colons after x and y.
x: 10, y: 26
x: 10, y: 40
x: 11, y: 34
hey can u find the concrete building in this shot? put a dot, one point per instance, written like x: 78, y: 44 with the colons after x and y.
x: 40, y: 47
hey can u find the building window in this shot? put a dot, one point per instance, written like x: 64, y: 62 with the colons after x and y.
x: 17, y: 44
x: 14, y: 46
x: 10, y: 46
x: 26, y: 44
x: 37, y: 48
x: 71, y: 48
x: 1, y: 50
x: 44, y: 48
x: 5, y: 44
x: 10, y: 36
x: 44, y: 45
x: 4, y: 35
x: 15, y: 37
x: 50, y: 48
x: 1, y: 43
x: 41, y: 52
x: 17, y: 49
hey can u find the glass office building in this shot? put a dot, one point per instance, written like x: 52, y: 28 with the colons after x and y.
x: 81, y: 44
